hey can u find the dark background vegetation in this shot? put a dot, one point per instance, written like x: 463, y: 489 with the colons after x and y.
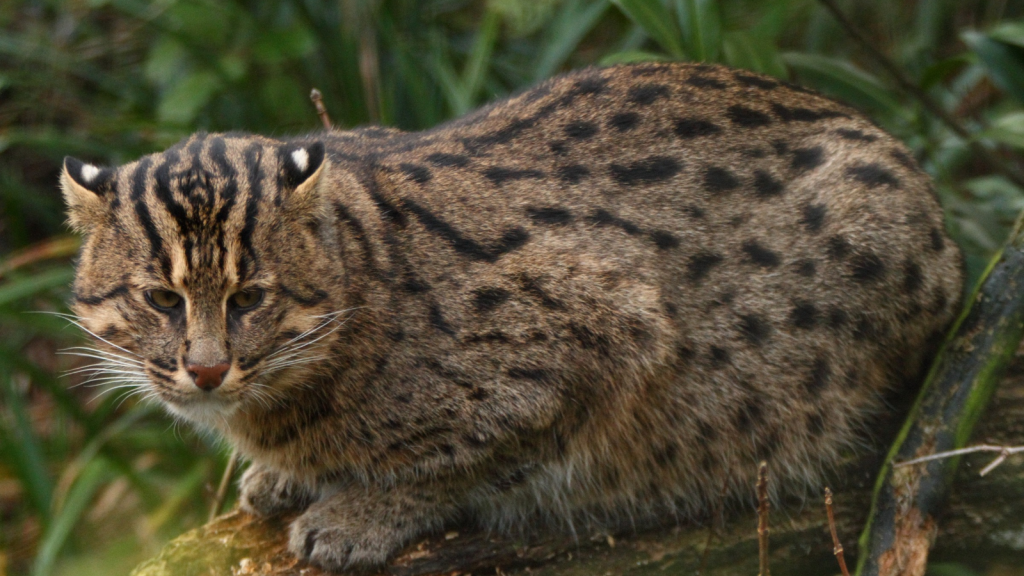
x: 91, y: 483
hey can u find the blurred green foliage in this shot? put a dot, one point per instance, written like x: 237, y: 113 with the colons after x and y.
x: 91, y: 482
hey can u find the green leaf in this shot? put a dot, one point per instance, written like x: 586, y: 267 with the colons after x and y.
x: 274, y: 46
x: 843, y: 80
x: 167, y: 61
x: 574, y: 21
x: 701, y: 27
x: 630, y: 56
x: 24, y: 287
x: 21, y: 448
x: 79, y: 497
x: 182, y: 102
x: 1004, y: 62
x: 654, y: 18
x: 1007, y: 129
x: 744, y: 50
x: 1009, y: 33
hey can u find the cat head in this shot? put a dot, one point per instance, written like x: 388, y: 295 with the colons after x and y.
x: 206, y: 274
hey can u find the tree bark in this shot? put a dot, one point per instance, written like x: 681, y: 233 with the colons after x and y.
x: 984, y: 520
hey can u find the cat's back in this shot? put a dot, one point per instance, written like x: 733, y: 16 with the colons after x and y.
x: 696, y: 170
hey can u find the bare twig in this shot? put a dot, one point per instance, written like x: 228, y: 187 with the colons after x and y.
x: 225, y: 480
x: 762, y: 518
x: 914, y: 90
x: 837, y: 547
x: 321, y: 110
x: 1004, y: 453
x: 59, y: 247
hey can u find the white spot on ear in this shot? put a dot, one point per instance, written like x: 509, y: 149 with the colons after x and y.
x: 89, y: 173
x: 301, y: 159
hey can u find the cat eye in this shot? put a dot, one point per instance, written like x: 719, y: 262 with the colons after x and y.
x: 246, y: 298
x: 163, y: 300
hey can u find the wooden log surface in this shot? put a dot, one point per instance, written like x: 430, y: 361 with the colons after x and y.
x: 984, y: 520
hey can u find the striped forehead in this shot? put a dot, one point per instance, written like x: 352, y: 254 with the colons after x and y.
x: 196, y: 205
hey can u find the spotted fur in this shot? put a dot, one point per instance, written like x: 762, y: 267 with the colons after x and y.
x: 602, y: 299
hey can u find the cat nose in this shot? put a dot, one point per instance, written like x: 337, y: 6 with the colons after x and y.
x: 207, y: 378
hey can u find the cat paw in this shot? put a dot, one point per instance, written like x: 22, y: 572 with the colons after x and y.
x: 338, y: 533
x: 266, y: 492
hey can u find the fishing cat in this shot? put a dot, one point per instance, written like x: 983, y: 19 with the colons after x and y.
x: 603, y: 298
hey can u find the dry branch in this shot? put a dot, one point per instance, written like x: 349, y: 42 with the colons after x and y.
x: 902, y: 524
x: 321, y: 110
x: 837, y: 546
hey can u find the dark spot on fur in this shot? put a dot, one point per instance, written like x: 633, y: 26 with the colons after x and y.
x: 806, y: 268
x: 866, y: 267
x: 687, y: 128
x: 442, y: 160
x: 717, y: 179
x: 719, y: 356
x: 804, y: 315
x: 815, y: 424
x: 605, y: 218
x: 821, y: 372
x: 765, y: 185
x: 499, y: 174
x: 808, y: 158
x: 580, y: 130
x: 760, y: 255
x: 937, y: 242
x: 646, y: 171
x: 414, y: 285
x: 747, y: 117
x: 755, y: 81
x: 558, y: 148
x: 588, y: 338
x: 646, y: 94
x: 837, y: 318
x: 838, y: 247
x: 624, y: 121
x: 912, y: 278
x: 488, y: 298
x: 872, y: 175
x: 438, y: 321
x: 855, y: 135
x: 903, y: 158
x: 701, y: 264
x: 813, y: 217
x: 693, y: 211
x: 666, y: 455
x: 754, y: 328
x: 535, y: 374
x: 553, y: 215
x: 573, y: 173
x: 705, y: 82
x: 797, y: 114
x: 492, y: 336
x: 939, y: 301
x: 531, y: 285
x: 416, y: 173
x: 865, y: 329
x: 664, y: 240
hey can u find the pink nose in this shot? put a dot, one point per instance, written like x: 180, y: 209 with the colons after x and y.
x: 207, y: 377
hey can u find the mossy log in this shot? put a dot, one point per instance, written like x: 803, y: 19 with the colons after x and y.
x: 984, y: 520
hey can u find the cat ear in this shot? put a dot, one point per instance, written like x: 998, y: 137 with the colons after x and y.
x: 303, y: 165
x: 84, y: 186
